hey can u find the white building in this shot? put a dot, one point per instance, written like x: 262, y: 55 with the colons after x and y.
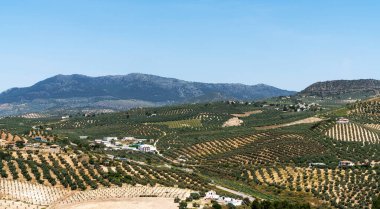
x: 343, y: 121
x: 109, y: 138
x: 317, y: 164
x: 236, y: 202
x: 345, y: 163
x: 129, y: 138
x: 126, y: 147
x: 147, y: 148
x: 212, y: 195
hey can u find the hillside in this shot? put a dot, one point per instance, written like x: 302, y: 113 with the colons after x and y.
x: 364, y: 87
x: 298, y: 159
x: 135, y: 86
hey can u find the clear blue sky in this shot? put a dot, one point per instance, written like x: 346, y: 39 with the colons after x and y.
x: 288, y: 44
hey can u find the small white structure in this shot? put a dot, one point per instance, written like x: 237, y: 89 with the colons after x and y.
x: 147, y: 148
x: 236, y: 202
x: 128, y: 138
x: 109, y: 145
x: 345, y: 163
x: 317, y: 164
x: 109, y: 138
x: 212, y: 195
x: 342, y: 121
x: 98, y: 141
x: 65, y: 117
x: 126, y: 147
x: 83, y: 137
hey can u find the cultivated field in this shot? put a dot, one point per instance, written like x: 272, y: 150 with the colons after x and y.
x: 353, y: 133
x: 267, y: 157
x: 353, y: 188
x: 36, y: 196
x: 131, y: 203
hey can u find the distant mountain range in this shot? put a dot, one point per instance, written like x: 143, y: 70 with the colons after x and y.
x: 126, y: 91
x: 343, y: 88
x: 80, y: 92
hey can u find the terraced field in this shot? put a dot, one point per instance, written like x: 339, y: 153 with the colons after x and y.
x: 191, y: 123
x: 353, y: 187
x: 266, y: 157
x: 373, y: 126
x: 20, y: 194
x: 69, y: 171
x: 210, y: 148
x: 353, y: 133
x: 271, y: 150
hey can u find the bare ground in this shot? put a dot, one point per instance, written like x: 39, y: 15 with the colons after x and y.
x: 303, y: 121
x: 246, y: 114
x: 235, y: 121
x: 130, y: 203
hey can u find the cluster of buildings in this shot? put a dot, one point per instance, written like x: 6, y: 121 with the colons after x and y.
x: 126, y: 143
x: 347, y: 164
x: 211, y: 195
x: 300, y: 107
x: 366, y: 163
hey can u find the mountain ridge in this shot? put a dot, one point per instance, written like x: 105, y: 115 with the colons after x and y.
x: 342, y: 87
x: 135, y: 86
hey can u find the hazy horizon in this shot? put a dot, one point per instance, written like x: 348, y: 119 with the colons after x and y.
x: 282, y: 44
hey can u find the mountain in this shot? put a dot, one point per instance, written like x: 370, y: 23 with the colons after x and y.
x: 341, y: 88
x: 85, y: 91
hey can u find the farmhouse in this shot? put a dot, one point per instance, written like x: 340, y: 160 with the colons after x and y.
x: 211, y: 195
